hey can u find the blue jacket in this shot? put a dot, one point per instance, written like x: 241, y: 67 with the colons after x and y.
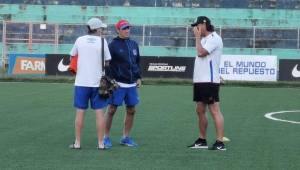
x: 124, y: 66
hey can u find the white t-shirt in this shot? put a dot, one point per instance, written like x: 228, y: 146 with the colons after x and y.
x: 206, y: 69
x: 89, y: 64
x: 125, y: 85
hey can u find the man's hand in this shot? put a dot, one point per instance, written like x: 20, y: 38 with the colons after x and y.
x: 138, y: 83
x: 201, y: 52
x: 197, y: 32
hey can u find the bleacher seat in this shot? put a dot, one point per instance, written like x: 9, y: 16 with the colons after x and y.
x: 265, y: 4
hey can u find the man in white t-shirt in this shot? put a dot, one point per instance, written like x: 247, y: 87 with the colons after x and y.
x: 206, y: 81
x: 88, y: 73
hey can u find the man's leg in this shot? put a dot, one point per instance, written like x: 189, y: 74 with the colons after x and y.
x: 100, y: 124
x: 128, y: 123
x: 115, y: 100
x: 131, y: 100
x: 78, y: 126
x: 218, y: 119
x: 201, y: 142
x: 202, y: 119
x: 109, y: 118
x: 128, y: 120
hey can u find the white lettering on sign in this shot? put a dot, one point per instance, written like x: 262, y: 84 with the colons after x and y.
x: 167, y: 68
x: 248, y: 67
x: 32, y: 65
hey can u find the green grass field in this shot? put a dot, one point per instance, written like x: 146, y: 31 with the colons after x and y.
x: 36, y: 127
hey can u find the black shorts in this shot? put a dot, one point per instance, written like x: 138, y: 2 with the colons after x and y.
x: 207, y: 93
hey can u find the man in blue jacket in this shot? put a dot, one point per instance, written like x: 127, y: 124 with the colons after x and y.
x: 125, y: 69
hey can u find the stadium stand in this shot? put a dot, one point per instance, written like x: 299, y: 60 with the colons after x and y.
x: 161, y: 27
x: 264, y: 4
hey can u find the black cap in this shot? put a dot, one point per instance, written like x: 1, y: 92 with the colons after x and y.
x: 201, y: 20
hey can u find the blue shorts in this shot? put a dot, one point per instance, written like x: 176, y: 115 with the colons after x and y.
x: 83, y: 95
x: 128, y: 95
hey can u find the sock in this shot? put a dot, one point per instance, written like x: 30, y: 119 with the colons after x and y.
x: 202, y: 139
x: 77, y: 144
x: 219, y: 141
x: 101, y: 145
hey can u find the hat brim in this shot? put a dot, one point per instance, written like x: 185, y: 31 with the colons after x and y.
x: 100, y: 26
x: 194, y: 24
x: 124, y: 26
x: 103, y: 25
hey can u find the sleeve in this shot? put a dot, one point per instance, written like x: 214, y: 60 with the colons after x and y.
x: 210, y: 45
x: 74, y: 50
x: 106, y: 51
x: 108, y: 71
x: 111, y: 49
x: 138, y: 61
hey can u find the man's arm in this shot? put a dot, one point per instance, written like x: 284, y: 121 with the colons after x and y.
x: 201, y: 52
x: 107, y: 69
x: 139, y: 80
x: 107, y: 53
x: 107, y: 63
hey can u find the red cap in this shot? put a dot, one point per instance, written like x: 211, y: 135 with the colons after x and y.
x: 122, y: 24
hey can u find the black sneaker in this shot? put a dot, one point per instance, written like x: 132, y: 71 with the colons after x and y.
x: 199, y: 144
x: 218, y: 145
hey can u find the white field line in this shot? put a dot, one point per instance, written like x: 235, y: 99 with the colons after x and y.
x: 270, y: 116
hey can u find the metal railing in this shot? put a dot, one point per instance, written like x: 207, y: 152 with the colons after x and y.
x: 30, y: 34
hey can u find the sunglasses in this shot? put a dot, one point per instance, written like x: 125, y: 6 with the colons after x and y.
x: 125, y: 28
